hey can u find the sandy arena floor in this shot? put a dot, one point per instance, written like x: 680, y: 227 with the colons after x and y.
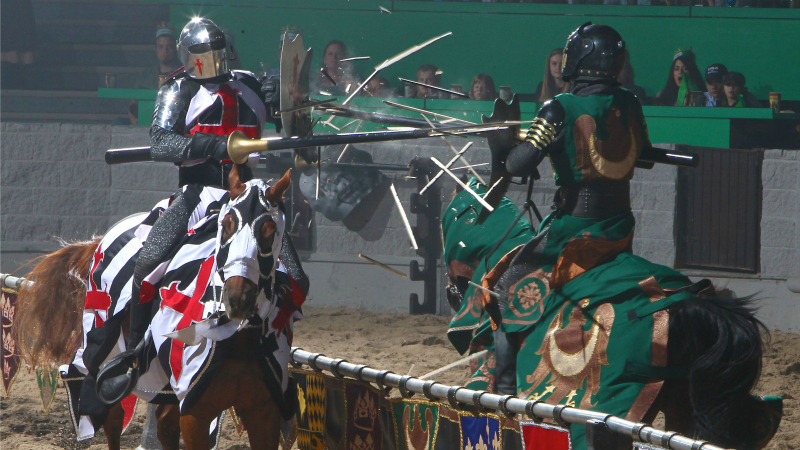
x: 387, y: 341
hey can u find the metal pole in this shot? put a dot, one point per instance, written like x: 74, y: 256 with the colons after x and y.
x: 503, y: 403
x: 14, y: 283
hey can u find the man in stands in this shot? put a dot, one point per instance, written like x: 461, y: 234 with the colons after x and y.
x: 429, y: 75
x: 167, y: 54
x: 154, y: 76
x: 714, y: 74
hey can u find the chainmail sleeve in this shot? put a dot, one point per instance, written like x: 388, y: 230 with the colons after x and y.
x: 167, y: 145
x: 292, y: 263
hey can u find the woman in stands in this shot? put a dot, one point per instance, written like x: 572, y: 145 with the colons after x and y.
x: 552, y: 84
x: 483, y: 88
x: 335, y: 75
x: 683, y: 65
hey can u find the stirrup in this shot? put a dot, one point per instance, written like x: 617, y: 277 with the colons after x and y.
x: 118, y: 376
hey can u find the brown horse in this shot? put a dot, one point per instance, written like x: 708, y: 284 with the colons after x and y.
x: 50, y: 323
x: 239, y: 383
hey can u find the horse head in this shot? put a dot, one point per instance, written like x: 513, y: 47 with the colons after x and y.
x: 249, y: 239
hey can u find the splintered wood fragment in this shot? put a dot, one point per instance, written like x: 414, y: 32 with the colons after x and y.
x: 341, y: 155
x: 456, y: 152
x: 488, y: 291
x: 460, y: 362
x: 404, y: 217
x: 430, y: 113
x: 464, y: 186
x: 354, y: 58
x: 380, y: 264
x: 448, y: 165
x: 492, y: 188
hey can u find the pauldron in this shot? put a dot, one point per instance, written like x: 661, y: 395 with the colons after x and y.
x: 541, y: 133
x: 169, y: 105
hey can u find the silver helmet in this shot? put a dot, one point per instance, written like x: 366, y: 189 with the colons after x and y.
x: 201, y: 48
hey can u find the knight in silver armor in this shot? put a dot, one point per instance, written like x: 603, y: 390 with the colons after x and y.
x: 191, y: 123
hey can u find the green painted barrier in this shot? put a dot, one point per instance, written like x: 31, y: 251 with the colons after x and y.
x: 510, y: 41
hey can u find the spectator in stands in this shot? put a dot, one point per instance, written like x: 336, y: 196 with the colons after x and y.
x: 715, y: 92
x: 17, y: 45
x: 683, y: 65
x: 482, y: 88
x: 132, y: 117
x: 736, y: 93
x: 167, y: 54
x: 335, y: 75
x: 378, y: 87
x: 552, y: 84
x: 428, y: 74
x: 626, y: 80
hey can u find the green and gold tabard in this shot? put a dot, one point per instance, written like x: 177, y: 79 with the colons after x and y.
x: 603, y: 138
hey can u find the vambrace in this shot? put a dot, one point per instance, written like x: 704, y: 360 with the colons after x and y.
x: 544, y: 131
x: 169, y: 146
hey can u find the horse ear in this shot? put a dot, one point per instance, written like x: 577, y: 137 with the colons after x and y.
x: 275, y: 193
x: 266, y: 235
x: 227, y: 226
x: 235, y: 184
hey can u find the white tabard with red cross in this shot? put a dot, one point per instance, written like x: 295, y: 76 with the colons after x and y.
x: 223, y: 108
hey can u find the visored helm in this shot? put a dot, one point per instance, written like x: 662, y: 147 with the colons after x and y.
x: 201, y: 48
x: 593, y: 52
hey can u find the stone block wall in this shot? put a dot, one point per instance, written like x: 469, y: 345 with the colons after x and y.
x: 56, y: 185
x: 780, y: 214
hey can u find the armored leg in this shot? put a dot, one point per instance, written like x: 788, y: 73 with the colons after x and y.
x: 164, y: 236
x: 505, y: 353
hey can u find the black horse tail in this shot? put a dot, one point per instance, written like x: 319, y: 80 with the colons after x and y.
x: 720, y: 339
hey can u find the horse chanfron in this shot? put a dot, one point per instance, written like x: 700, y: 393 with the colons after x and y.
x: 251, y: 228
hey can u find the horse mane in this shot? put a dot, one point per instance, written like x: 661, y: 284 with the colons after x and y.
x: 724, y: 338
x: 49, y: 312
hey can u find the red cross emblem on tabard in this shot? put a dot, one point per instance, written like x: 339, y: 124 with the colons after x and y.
x: 96, y: 299
x: 230, y: 115
x: 190, y: 307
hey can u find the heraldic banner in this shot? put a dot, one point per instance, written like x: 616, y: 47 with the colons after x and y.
x: 8, y: 306
x: 345, y: 414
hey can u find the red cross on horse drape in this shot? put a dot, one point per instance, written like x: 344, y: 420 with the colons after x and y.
x: 96, y: 299
x: 190, y: 307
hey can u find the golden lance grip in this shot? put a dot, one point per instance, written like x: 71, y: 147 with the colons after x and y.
x: 240, y: 146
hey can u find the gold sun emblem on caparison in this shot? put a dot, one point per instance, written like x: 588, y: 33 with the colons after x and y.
x: 615, y: 156
x: 572, y: 355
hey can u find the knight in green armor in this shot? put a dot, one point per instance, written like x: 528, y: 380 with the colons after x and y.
x: 582, y: 321
x: 593, y: 137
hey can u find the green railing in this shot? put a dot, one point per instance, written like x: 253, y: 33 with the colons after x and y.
x: 702, y: 127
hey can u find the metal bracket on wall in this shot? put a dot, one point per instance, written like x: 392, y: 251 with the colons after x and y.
x: 428, y: 208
